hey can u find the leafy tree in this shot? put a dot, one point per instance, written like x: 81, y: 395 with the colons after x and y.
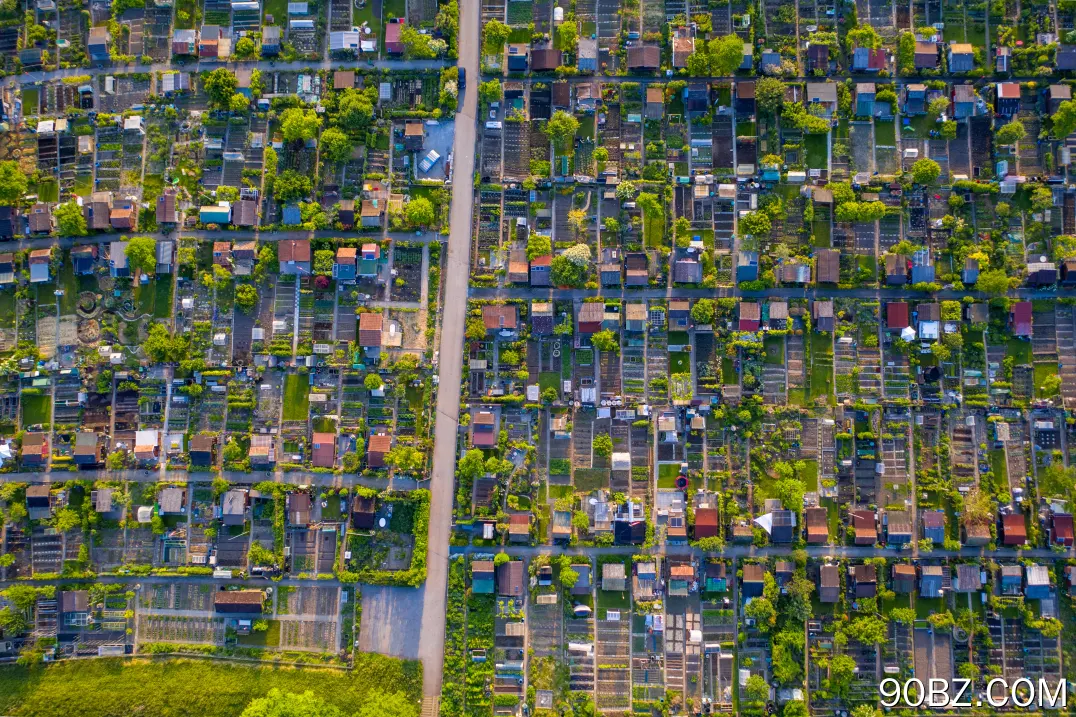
x: 761, y: 610
x: 220, y: 85
x: 246, y: 298
x: 245, y: 48
x: 297, y: 124
x: 406, y: 459
x: 790, y: 492
x: 769, y: 95
x: 161, y: 346
x: 1041, y: 199
x: 70, y: 221
x: 538, y: 245
x: 1010, y: 133
x: 289, y: 704
x: 869, y: 710
x: 903, y: 615
x: 1064, y: 120
x: 13, y: 182
x: 755, y: 224
x: 420, y: 212
x: 141, y: 254
x: 490, y: 91
x: 472, y: 466
x: 993, y: 281
x: 66, y: 519
x: 842, y: 192
x: 603, y: 445
x: 626, y: 191
x: 494, y: 35
x: 795, y: 708
x: 925, y: 171
x: 726, y: 54
x: 605, y: 341
x: 938, y: 106
x: 335, y: 145
x: 355, y: 110
x: 323, y: 261
x: 567, y: 36
x: 238, y: 103
x: 387, y: 704
x: 561, y: 128
x: 1057, y: 481
x: 947, y: 129
x: 756, y: 689
x: 12, y: 622
x: 841, y: 670
x: 869, y: 629
x: 577, y: 220
x: 568, y: 578
x: 703, y: 311
x: 864, y: 36
x: 290, y: 185
x: 416, y: 45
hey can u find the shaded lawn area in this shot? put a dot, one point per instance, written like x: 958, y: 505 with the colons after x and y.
x: 162, y: 687
x: 679, y: 362
x: 7, y: 309
x: 817, y: 151
x: 775, y: 350
x: 822, y: 233
x: 833, y: 515
x: 1042, y: 371
x: 925, y: 607
x: 549, y: 379
x: 809, y: 475
x: 70, y: 284
x: 36, y: 408
x: 296, y: 397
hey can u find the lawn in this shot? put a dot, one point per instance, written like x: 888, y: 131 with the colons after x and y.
x: 1020, y: 350
x: 188, y: 10
x: 36, y: 409
x: 296, y: 397
x: 393, y: 8
x: 775, y: 350
x: 70, y: 284
x: 822, y: 234
x: 809, y: 475
x: 1042, y: 371
x: 46, y: 191
x: 925, y: 607
x: 549, y: 379
x: 30, y: 100
x: 821, y: 364
x: 162, y: 687
x: 7, y: 309
x: 589, y: 479
x: 679, y: 362
x: 667, y: 473
x: 83, y: 185
x: 817, y: 151
x: 612, y: 599
x: 268, y: 638
x: 999, y: 467
x: 885, y: 134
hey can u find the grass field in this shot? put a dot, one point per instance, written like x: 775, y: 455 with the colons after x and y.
x: 1020, y: 350
x: 679, y: 362
x: 885, y: 134
x: 821, y: 364
x: 163, y: 687
x: 817, y: 151
x: 775, y: 350
x: 667, y: 473
x: 36, y: 408
x: 296, y: 397
x: 809, y: 476
x: 549, y: 379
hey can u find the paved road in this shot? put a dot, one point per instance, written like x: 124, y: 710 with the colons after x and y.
x: 456, y: 274
x: 825, y: 292
x: 263, y: 65
x: 153, y: 476
x: 662, y: 79
x: 750, y: 551
x: 46, y: 242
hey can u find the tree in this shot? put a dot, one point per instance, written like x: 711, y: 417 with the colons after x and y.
x: 626, y: 191
x: 538, y: 245
x: 238, y: 103
x: 756, y: 689
x: 70, y: 221
x: 605, y: 341
x: 355, y: 110
x: 993, y: 281
x: 568, y: 578
x: 577, y: 220
x: 406, y: 459
x: 1064, y: 120
x: 387, y: 704
x: 869, y: 710
x: 1041, y: 199
x: 420, y: 212
x: 418, y: 46
x: 141, y: 253
x: 297, y: 124
x: 245, y: 48
x: 703, y: 311
x: 761, y: 610
x: 842, y: 192
x: 335, y: 145
x: 755, y: 224
x: 289, y: 704
x: 220, y: 85
x: 869, y: 629
x: 841, y: 670
x: 246, y: 298
x: 561, y: 128
x: 947, y: 129
x: 1057, y: 481
x: 726, y: 55
x: 13, y: 182
x: 490, y: 91
x: 925, y: 171
x: 903, y: 615
x: 938, y: 106
x: 372, y: 382
x: 290, y: 185
x: 864, y: 36
x: 1010, y: 133
x: 567, y: 36
x: 161, y: 346
x: 790, y: 492
x: 795, y: 708
x: 494, y: 35
x: 603, y: 445
x: 472, y: 466
x: 66, y: 519
x: 769, y: 95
